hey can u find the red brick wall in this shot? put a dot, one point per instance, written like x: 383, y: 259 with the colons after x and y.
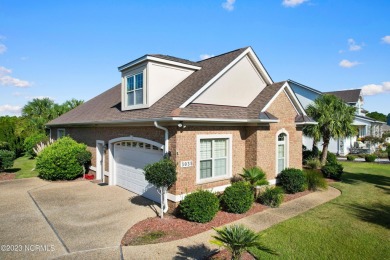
x: 267, y: 140
x: 252, y: 145
x: 186, y: 142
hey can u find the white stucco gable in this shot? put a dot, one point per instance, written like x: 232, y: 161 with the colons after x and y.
x: 236, y: 85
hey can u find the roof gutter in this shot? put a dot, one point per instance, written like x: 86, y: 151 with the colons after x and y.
x: 164, y: 205
x: 188, y: 119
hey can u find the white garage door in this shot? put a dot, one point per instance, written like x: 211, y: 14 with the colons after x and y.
x: 130, y: 159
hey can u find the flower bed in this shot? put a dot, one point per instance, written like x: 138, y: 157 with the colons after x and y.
x: 175, y: 228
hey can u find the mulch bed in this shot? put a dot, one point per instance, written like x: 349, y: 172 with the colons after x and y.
x: 7, y: 176
x: 175, y: 228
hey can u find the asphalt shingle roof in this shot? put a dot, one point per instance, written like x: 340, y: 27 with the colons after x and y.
x: 348, y: 96
x: 106, y: 107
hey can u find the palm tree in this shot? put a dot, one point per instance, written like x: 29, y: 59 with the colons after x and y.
x: 334, y: 119
x: 237, y: 239
x: 255, y: 176
x: 38, y: 112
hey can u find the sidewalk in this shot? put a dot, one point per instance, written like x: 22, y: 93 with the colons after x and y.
x: 198, y: 246
x: 358, y: 159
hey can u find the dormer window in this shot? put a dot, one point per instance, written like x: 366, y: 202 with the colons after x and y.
x: 135, y: 89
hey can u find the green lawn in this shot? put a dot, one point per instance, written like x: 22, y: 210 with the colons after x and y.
x: 23, y: 168
x: 355, y: 225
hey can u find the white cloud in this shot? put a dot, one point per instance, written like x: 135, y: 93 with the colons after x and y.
x: 4, y: 71
x: 293, y: 3
x: 7, y: 80
x: 206, y: 56
x: 353, y: 46
x: 8, y: 110
x: 228, y: 5
x: 3, y: 48
x: 386, y: 39
x: 348, y: 64
x: 374, y: 89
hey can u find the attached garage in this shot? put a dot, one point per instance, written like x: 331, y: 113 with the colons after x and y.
x: 130, y: 157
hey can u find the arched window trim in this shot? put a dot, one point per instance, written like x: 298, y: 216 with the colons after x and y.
x: 286, y: 149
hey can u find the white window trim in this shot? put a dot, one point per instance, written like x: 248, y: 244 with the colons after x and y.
x: 100, y: 156
x: 125, y: 75
x: 58, y: 131
x: 229, y: 157
x: 286, y: 150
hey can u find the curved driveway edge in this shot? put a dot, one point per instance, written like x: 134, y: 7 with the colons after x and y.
x: 76, y: 219
x: 196, y: 247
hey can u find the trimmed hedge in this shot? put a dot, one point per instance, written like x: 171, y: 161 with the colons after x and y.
x: 333, y: 171
x: 351, y: 157
x: 370, y: 158
x: 237, y: 198
x: 6, y: 159
x: 292, y: 180
x: 272, y: 197
x: 62, y: 160
x: 161, y: 173
x: 200, y: 206
x: 331, y: 158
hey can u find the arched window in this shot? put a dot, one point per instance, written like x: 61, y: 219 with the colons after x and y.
x: 282, y: 152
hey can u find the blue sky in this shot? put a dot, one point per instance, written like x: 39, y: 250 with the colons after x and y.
x: 71, y: 49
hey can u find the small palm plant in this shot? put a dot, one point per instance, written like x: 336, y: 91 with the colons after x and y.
x: 237, y: 239
x: 255, y: 176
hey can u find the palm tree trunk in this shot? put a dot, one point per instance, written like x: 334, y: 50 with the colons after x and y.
x: 324, y: 151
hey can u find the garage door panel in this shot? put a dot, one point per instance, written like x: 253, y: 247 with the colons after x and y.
x: 130, y: 162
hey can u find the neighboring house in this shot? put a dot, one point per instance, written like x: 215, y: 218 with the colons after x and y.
x: 213, y: 117
x: 366, y: 125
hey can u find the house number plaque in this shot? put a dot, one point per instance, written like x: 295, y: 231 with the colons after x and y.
x: 185, y: 164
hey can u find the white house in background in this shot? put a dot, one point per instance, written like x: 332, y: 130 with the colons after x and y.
x: 366, y: 125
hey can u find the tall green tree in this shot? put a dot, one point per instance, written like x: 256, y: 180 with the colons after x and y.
x: 38, y: 112
x: 334, y: 119
x: 377, y: 116
x: 9, y: 134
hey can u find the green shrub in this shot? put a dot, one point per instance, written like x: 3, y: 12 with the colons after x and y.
x: 200, y: 206
x: 255, y: 176
x: 333, y: 171
x: 292, y: 180
x: 351, y: 157
x: 61, y: 160
x: 4, y: 146
x: 237, y: 198
x: 272, y: 197
x: 313, y: 163
x: 32, y: 141
x: 331, y: 158
x: 370, y: 158
x: 161, y: 173
x: 6, y: 159
x: 315, y: 180
x: 236, y: 178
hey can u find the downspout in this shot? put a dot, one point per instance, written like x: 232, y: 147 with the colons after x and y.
x: 166, y: 150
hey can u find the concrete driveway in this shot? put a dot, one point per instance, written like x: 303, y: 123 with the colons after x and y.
x: 40, y: 219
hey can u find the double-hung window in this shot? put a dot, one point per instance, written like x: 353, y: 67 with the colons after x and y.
x: 60, y: 133
x: 135, y: 89
x: 213, y: 158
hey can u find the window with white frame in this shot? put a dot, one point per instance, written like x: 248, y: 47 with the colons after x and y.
x: 135, y: 89
x: 60, y: 133
x: 282, y: 152
x: 213, y: 158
